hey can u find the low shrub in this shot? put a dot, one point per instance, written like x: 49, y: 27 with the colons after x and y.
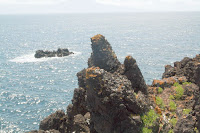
x: 146, y: 130
x: 173, y: 121
x: 160, y: 90
x: 186, y: 111
x: 172, y: 106
x: 187, y: 83
x: 149, y: 119
x: 176, y: 84
x: 171, y: 131
x: 179, y: 92
x: 171, y: 97
x: 160, y: 102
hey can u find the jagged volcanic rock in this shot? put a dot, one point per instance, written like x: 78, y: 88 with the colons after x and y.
x: 113, y: 98
x: 188, y: 67
x: 59, y: 53
x: 112, y: 103
x: 102, y: 54
x: 54, y: 121
x: 134, y: 74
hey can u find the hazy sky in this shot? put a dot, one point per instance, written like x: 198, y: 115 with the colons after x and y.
x: 84, y: 6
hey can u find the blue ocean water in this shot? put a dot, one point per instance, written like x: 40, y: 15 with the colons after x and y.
x: 31, y: 89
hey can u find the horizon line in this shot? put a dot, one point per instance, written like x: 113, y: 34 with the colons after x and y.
x: 114, y: 12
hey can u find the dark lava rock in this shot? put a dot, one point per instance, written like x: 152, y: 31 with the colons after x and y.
x: 112, y: 97
x: 58, y: 53
x: 82, y: 78
x: 42, y: 131
x: 188, y: 67
x: 112, y: 102
x: 102, y: 54
x: 80, y: 124
x: 185, y: 125
x: 78, y: 105
x: 168, y: 82
x: 134, y: 74
x: 53, y: 121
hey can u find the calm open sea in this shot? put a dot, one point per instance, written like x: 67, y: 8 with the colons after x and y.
x: 31, y: 89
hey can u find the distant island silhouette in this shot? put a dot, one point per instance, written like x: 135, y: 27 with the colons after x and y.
x: 59, y: 53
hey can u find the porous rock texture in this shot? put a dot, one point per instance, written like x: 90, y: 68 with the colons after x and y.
x: 102, y: 55
x: 134, y: 74
x: 188, y: 67
x: 114, y: 98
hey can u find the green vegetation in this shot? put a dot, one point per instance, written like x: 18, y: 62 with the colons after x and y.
x: 171, y: 97
x: 146, y: 130
x: 160, y: 90
x: 187, y: 83
x: 172, y: 106
x: 160, y: 102
x: 148, y: 121
x: 176, y: 84
x: 196, y: 130
x: 171, y: 131
x: 186, y: 111
x: 173, y: 121
x: 179, y: 92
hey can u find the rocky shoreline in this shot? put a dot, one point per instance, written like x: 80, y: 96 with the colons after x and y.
x: 114, y: 98
x: 59, y: 53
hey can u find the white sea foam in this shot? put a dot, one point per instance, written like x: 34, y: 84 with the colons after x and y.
x: 30, y: 58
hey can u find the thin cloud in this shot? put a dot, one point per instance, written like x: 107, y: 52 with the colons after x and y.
x: 165, y: 5
x: 33, y: 2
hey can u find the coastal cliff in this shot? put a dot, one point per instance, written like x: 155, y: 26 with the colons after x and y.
x: 114, y: 98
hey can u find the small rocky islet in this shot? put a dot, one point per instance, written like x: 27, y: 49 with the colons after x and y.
x: 114, y: 98
x: 59, y: 53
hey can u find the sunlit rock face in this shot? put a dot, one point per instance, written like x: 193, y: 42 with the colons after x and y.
x: 102, y: 55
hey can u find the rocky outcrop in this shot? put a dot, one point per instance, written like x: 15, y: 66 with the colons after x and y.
x: 168, y: 82
x: 55, y: 121
x: 102, y: 55
x: 59, y: 53
x: 188, y: 67
x: 134, y: 74
x: 114, y: 98
x: 112, y: 103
